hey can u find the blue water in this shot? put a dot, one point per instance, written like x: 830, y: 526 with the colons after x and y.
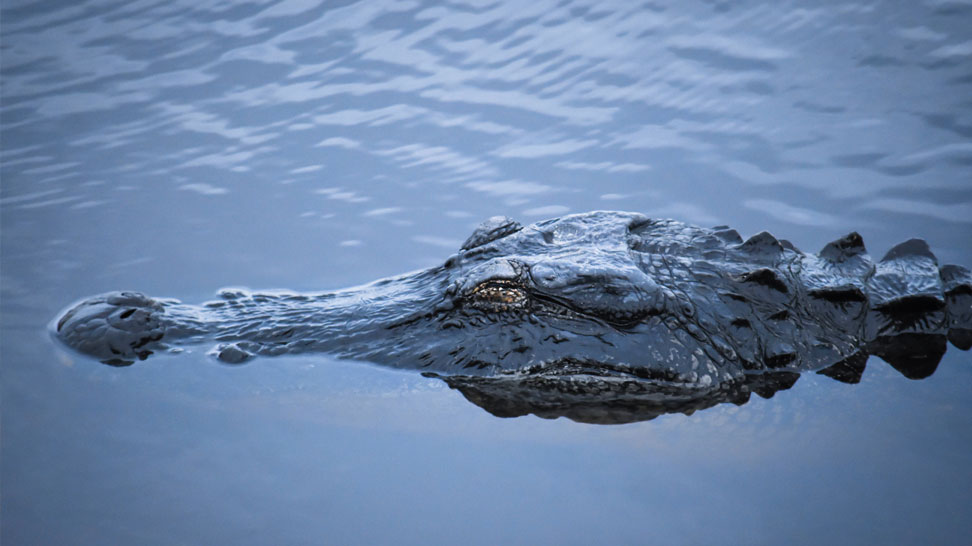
x: 179, y: 147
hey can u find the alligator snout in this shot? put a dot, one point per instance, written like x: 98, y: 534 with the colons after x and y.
x: 115, y: 328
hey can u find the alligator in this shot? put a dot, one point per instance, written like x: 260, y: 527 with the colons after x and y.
x: 600, y: 317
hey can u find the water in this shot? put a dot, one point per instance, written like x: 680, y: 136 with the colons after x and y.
x: 180, y: 147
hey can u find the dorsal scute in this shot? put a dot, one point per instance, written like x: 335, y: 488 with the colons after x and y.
x: 955, y: 278
x: 957, y: 283
x: 765, y: 277
x: 845, y: 248
x: 763, y: 243
x: 842, y: 266
x: 910, y: 248
x: 908, y: 271
x: 728, y: 235
x: 492, y: 229
x: 906, y: 294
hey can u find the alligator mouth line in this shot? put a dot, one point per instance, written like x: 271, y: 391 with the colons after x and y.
x: 569, y: 369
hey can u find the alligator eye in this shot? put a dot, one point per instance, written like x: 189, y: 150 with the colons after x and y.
x: 499, y: 292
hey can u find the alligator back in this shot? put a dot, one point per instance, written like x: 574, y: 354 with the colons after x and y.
x: 774, y: 307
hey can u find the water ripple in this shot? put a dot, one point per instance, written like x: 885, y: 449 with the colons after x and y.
x: 519, y: 103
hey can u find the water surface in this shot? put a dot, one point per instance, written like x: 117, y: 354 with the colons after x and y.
x: 179, y: 147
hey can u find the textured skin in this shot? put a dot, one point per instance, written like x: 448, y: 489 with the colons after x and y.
x: 654, y: 315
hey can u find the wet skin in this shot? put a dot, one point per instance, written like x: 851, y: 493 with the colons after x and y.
x: 577, y: 312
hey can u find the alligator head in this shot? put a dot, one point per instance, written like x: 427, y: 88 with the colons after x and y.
x: 650, y: 315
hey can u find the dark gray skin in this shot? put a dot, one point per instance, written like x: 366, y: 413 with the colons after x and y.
x: 603, y: 316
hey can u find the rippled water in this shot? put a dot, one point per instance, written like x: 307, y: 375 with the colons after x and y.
x: 179, y: 147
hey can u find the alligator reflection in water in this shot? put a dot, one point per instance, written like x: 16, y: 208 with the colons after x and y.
x: 602, y: 317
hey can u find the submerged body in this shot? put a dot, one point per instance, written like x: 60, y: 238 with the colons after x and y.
x: 588, y: 308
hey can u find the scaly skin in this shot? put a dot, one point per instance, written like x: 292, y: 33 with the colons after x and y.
x: 603, y: 302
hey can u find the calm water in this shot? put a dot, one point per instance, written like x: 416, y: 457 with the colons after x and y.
x: 179, y: 147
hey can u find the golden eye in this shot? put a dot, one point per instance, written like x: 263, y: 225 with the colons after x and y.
x: 499, y: 292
